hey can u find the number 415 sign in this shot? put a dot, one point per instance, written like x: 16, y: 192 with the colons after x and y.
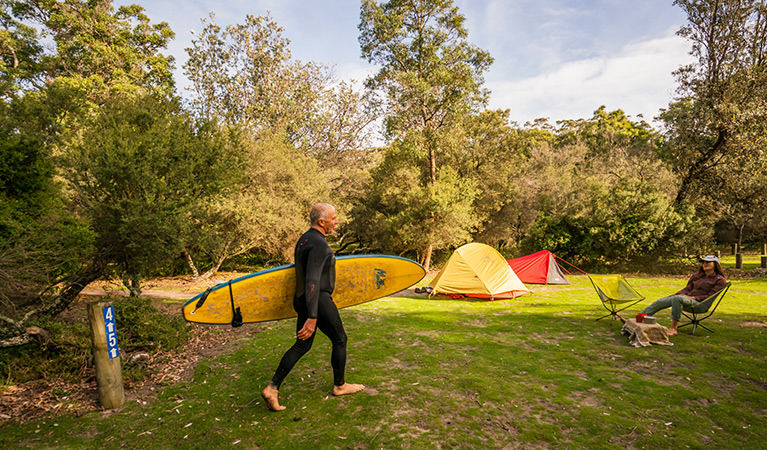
x: 111, y: 329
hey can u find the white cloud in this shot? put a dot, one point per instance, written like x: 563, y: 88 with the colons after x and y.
x: 638, y: 80
x: 358, y: 72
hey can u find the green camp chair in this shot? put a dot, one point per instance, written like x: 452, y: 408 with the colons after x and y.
x: 614, y: 291
x: 702, y: 308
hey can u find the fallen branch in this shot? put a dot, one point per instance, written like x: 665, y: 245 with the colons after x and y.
x: 30, y: 334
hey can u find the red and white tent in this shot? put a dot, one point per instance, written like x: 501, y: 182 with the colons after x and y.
x: 539, y: 268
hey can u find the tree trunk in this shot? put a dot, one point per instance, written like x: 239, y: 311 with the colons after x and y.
x: 740, y: 236
x: 190, y: 263
x: 209, y: 273
x: 133, y: 283
x: 432, y: 165
x: 71, y: 290
x: 426, y: 258
x: 700, y: 166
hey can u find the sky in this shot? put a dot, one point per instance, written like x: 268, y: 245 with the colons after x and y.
x: 554, y: 59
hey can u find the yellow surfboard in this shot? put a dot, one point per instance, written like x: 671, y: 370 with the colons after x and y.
x: 268, y: 294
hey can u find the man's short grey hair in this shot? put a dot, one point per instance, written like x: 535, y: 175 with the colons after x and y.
x: 320, y: 211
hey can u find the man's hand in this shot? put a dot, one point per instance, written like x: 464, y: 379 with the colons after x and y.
x: 308, y: 329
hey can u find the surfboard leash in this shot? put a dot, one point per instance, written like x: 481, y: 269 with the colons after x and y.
x: 202, y: 299
x: 236, y: 314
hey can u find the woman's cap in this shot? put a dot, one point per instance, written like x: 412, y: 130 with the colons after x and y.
x: 711, y: 258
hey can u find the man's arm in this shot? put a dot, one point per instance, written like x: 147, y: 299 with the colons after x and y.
x: 314, y: 265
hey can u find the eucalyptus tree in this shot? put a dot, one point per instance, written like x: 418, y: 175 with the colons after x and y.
x: 721, y: 110
x: 430, y: 79
x: 97, y: 50
x: 244, y: 73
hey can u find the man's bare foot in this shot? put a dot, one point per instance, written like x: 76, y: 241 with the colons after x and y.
x: 672, y: 332
x: 347, y: 388
x: 271, y: 397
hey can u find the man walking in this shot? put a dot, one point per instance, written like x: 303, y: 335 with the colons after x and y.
x: 313, y: 302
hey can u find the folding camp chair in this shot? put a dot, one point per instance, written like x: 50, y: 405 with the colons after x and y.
x: 703, y: 308
x: 614, y: 291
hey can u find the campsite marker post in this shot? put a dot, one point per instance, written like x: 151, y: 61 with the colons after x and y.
x: 106, y: 356
x: 739, y: 260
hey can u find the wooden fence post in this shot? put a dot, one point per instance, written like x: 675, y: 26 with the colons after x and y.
x: 106, y: 356
x: 764, y: 249
x: 739, y: 261
x: 764, y: 262
x: 735, y: 249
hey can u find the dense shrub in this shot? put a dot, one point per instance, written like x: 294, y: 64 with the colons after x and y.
x: 630, y: 225
x: 140, y: 326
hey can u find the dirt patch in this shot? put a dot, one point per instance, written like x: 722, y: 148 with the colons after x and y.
x: 178, y: 288
x: 753, y: 324
x: 29, y: 401
x: 760, y: 384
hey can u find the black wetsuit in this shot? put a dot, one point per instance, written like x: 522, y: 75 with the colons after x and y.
x: 315, y: 280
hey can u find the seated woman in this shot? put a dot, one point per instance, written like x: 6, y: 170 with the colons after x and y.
x: 703, y: 283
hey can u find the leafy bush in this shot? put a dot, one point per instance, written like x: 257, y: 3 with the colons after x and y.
x: 140, y: 326
x: 632, y: 224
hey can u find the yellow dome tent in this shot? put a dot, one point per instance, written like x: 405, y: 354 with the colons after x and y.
x: 478, y: 270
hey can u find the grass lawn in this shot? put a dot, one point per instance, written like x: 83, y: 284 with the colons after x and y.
x: 535, y: 372
x: 750, y: 261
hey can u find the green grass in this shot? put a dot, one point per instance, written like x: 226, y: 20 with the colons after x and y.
x: 750, y: 261
x: 534, y: 372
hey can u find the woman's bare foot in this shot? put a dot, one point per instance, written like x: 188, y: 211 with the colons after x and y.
x: 672, y: 332
x: 271, y: 397
x: 347, y: 388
